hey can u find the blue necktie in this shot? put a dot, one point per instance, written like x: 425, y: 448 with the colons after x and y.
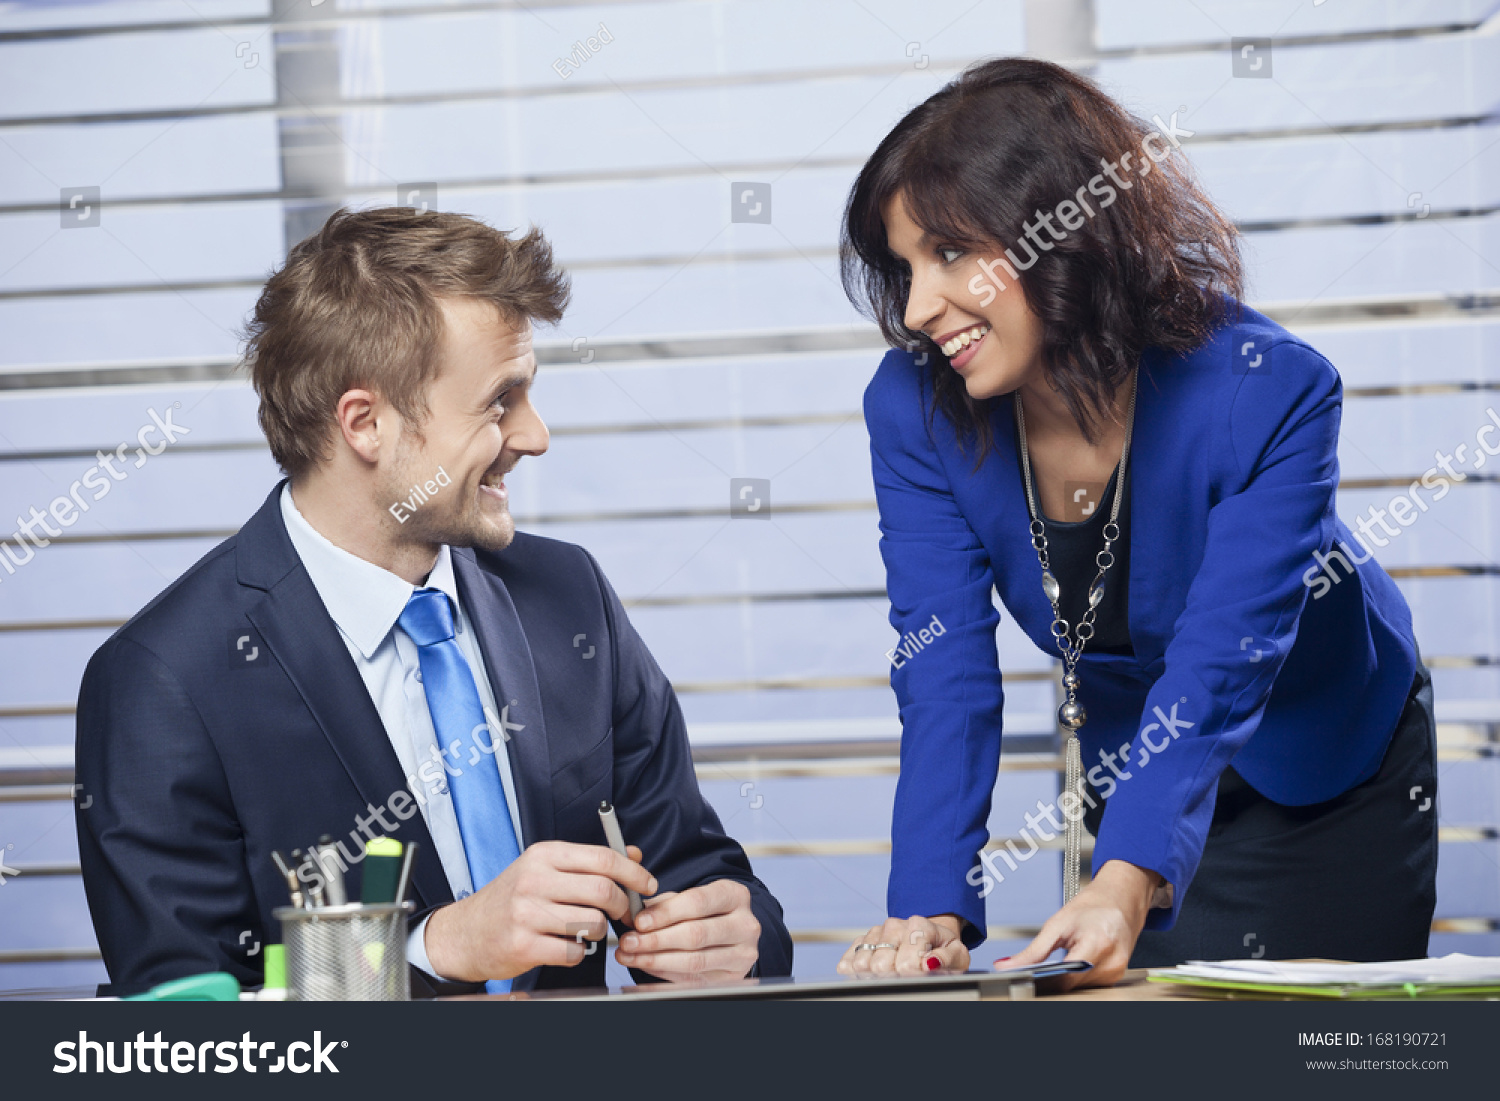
x: 478, y: 794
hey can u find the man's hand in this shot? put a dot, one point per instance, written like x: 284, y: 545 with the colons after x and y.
x: 1100, y: 925
x: 531, y: 914
x: 920, y: 945
x: 704, y: 934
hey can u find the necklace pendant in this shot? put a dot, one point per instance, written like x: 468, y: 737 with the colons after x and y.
x: 1096, y: 593
x: 1050, y: 586
x: 1072, y: 715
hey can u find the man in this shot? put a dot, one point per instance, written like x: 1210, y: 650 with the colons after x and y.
x: 378, y: 652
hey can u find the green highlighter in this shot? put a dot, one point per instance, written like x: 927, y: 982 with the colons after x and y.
x: 382, y: 871
x: 274, y: 989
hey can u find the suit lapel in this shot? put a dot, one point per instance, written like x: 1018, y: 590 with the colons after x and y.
x: 507, y: 660
x: 302, y: 636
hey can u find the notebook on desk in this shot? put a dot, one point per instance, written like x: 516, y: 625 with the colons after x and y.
x: 1451, y: 976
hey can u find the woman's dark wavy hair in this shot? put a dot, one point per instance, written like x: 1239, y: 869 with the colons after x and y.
x: 1006, y: 139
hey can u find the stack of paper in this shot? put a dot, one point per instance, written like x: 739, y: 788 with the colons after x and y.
x: 1450, y: 976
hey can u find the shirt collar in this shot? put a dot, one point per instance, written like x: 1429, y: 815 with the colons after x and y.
x: 363, y: 599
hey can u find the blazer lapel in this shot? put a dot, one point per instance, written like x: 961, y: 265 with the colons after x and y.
x: 507, y: 660
x: 304, y: 640
x: 1154, y: 482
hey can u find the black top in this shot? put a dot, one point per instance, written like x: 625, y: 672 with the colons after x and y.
x: 1071, y: 548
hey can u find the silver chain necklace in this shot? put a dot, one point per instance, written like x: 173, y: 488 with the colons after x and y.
x: 1071, y: 715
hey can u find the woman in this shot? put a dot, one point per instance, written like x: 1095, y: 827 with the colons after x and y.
x: 1090, y: 422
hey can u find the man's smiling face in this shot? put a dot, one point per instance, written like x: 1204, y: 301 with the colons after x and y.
x: 480, y: 423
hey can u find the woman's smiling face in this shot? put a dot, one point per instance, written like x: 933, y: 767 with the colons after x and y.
x: 977, y: 314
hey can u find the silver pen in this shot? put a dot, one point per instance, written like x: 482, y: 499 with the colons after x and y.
x: 309, y: 872
x: 617, y: 842
x: 408, y: 862
x: 326, y: 853
x: 289, y: 873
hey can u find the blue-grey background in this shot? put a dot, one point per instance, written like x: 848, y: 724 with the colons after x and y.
x: 1364, y: 170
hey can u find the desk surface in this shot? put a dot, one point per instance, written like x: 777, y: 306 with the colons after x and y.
x: 1133, y: 987
x: 972, y: 986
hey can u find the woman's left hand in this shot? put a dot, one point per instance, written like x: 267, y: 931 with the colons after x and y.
x: 912, y: 947
x: 1100, y: 925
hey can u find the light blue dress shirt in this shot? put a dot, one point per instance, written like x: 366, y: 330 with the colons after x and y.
x: 364, y: 602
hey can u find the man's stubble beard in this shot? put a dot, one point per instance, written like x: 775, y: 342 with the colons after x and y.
x: 432, y: 523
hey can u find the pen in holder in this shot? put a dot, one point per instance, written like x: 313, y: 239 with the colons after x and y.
x: 350, y: 953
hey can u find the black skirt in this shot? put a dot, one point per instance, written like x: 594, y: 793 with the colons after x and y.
x: 1354, y: 878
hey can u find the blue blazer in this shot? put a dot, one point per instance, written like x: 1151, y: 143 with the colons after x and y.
x: 1231, y: 492
x: 199, y: 763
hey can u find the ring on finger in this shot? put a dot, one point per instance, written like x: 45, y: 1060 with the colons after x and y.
x: 875, y: 947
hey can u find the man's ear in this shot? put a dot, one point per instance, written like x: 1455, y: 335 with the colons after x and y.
x: 364, y: 422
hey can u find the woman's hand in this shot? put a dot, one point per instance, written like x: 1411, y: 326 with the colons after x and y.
x: 1100, y: 925
x: 919, y: 945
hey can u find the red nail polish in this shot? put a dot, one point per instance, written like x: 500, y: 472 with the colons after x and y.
x: 1002, y: 959
x: 933, y: 964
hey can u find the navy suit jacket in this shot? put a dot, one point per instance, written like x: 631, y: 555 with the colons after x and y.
x: 200, y: 759
x: 1233, y: 472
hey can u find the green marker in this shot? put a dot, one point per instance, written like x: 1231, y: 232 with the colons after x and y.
x: 214, y: 986
x: 274, y: 989
x: 382, y: 871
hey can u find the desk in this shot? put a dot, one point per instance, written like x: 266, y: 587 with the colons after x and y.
x: 972, y: 986
x: 1132, y: 987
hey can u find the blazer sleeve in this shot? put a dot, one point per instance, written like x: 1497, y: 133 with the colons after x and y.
x: 656, y: 794
x: 1208, y: 700
x: 938, y: 575
x: 160, y: 848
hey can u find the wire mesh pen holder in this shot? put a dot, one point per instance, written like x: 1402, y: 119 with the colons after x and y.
x: 351, y: 953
